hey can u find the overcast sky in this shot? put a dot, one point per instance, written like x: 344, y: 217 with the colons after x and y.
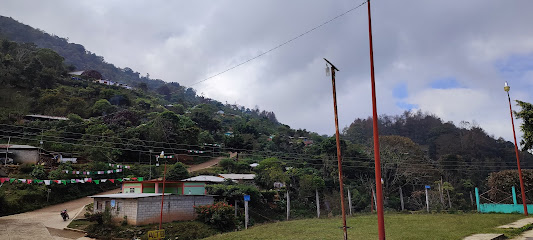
x: 450, y: 58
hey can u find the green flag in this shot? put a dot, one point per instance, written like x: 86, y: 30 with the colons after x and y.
x: 140, y: 179
x: 120, y: 179
x: 96, y: 181
x: 64, y: 182
x: 11, y: 180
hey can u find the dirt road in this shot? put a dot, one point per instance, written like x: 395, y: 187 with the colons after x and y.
x: 44, y: 223
x: 209, y: 163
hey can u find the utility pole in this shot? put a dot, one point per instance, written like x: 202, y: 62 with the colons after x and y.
x: 163, y: 195
x: 377, y: 161
x: 7, y: 149
x: 339, y: 158
x: 507, y: 88
x: 150, y: 178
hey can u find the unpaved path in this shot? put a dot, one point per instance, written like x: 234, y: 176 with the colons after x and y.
x: 33, y: 225
x: 209, y: 163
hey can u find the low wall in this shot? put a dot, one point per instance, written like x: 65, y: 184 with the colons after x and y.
x: 504, y: 208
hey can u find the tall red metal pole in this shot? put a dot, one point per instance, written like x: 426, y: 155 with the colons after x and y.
x: 524, y: 202
x: 162, y: 197
x: 377, y: 162
x: 339, y: 158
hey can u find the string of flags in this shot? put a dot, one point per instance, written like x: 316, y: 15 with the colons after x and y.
x: 195, y: 151
x: 118, y: 166
x: 63, y: 181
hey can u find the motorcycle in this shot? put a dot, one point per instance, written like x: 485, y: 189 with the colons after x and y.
x: 64, y: 214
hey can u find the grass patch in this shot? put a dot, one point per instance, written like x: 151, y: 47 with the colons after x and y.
x: 398, y: 226
x: 80, y: 224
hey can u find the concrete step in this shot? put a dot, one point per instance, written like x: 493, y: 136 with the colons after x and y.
x: 518, y: 224
x: 485, y: 236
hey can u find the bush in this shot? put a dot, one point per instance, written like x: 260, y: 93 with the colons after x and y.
x: 219, y: 215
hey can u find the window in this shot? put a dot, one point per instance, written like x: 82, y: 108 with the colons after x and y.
x: 132, y: 190
x: 98, y: 205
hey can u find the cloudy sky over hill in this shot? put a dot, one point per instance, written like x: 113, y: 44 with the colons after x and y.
x: 449, y: 58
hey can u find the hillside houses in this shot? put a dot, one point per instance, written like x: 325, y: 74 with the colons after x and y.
x: 77, y: 76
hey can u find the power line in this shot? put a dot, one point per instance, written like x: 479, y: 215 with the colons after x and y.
x: 281, y: 45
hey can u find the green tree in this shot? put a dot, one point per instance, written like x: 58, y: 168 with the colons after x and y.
x: 38, y: 172
x: 526, y: 114
x: 102, y: 106
x: 177, y: 172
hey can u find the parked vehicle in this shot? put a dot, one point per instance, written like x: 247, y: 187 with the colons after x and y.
x: 64, y: 214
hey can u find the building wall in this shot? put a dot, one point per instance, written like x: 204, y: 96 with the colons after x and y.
x: 25, y: 155
x: 141, y: 211
x: 127, y: 187
x: 174, y: 208
x: 194, y: 188
x: 123, y: 207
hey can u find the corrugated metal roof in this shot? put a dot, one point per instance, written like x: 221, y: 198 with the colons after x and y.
x: 204, y: 178
x: 238, y: 176
x: 12, y: 146
x: 129, y: 195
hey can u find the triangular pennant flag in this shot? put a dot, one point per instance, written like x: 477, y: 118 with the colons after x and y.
x: 64, y: 182
x: 66, y: 171
x: 46, y: 182
x: 29, y: 181
x: 97, y: 181
x: 126, y: 179
x: 134, y: 178
x: 11, y: 180
x: 72, y: 180
x: 22, y: 180
x: 112, y: 180
x: 118, y: 166
x: 140, y: 178
x: 89, y: 180
x: 120, y: 179
x: 38, y: 181
x: 104, y: 180
x: 119, y: 170
x: 2, y: 180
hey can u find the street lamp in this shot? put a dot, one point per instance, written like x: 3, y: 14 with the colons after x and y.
x: 507, y: 88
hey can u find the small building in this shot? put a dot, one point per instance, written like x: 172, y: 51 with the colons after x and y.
x: 19, y: 154
x: 240, y: 178
x: 145, y: 208
x: 140, y: 201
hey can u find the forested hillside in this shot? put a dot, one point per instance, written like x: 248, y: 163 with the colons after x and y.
x: 76, y: 56
x: 115, y: 124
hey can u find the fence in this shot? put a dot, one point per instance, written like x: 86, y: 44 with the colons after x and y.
x: 499, y: 206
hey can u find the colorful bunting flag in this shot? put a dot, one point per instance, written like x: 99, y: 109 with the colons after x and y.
x: 97, y: 181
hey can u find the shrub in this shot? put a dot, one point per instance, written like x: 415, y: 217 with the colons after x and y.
x: 219, y: 215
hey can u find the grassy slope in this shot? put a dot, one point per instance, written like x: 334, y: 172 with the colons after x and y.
x: 398, y: 226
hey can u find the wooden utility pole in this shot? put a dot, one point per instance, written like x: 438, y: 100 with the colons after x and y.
x: 339, y: 157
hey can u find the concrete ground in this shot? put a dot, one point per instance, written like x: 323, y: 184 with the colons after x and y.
x: 45, y: 223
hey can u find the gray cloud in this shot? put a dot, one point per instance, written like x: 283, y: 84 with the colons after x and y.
x: 416, y: 42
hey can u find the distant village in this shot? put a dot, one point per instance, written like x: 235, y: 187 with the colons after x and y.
x: 77, y: 76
